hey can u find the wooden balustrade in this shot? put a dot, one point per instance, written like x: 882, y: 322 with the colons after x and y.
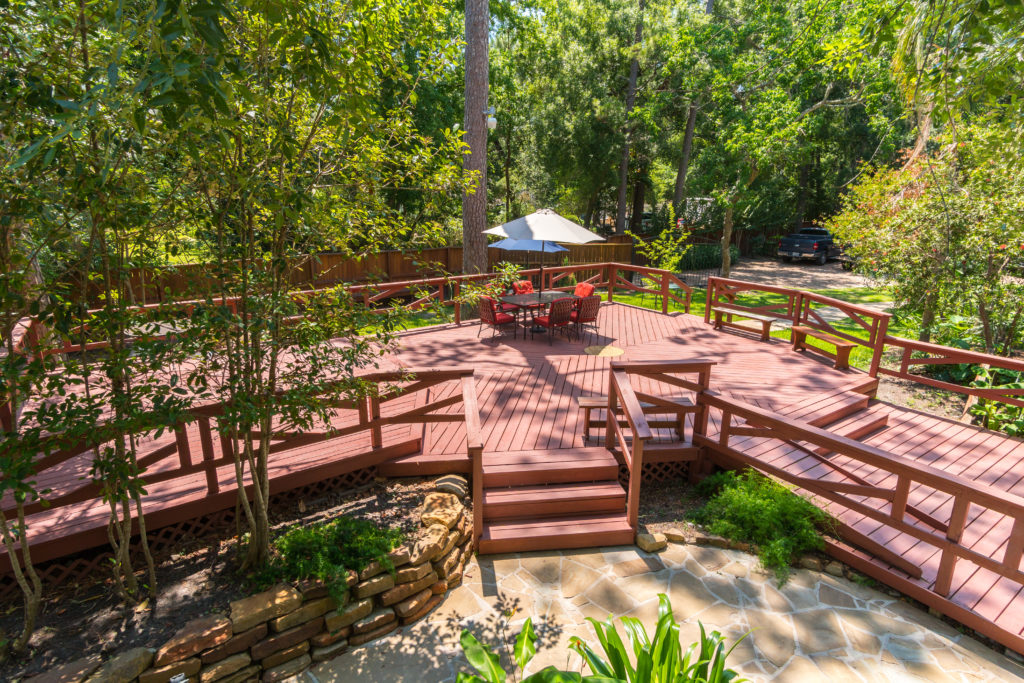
x: 799, y: 307
x: 203, y: 423
x: 885, y: 499
x: 637, y: 405
x: 912, y: 353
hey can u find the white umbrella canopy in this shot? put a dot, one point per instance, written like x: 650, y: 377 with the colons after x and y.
x: 545, y: 225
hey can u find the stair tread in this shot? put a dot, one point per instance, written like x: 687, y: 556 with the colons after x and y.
x: 574, y: 525
x: 824, y: 410
x: 552, y: 459
x: 549, y: 492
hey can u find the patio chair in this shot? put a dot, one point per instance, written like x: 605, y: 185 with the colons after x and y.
x: 490, y: 315
x: 522, y: 287
x: 586, y: 314
x: 558, y: 317
x: 583, y: 289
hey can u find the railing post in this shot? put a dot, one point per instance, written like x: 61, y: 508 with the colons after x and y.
x: 636, y: 475
x: 206, y: 440
x: 376, y: 437
x: 455, y: 303
x: 613, y: 274
x: 664, y: 293
x: 880, y: 334
x: 181, y: 440
x: 609, y: 427
x: 709, y: 299
x: 947, y: 562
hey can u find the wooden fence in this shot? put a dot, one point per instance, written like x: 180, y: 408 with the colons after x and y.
x: 172, y: 283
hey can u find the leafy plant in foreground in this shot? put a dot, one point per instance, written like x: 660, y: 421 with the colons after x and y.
x: 660, y: 659
x: 327, y: 551
x: 752, y: 508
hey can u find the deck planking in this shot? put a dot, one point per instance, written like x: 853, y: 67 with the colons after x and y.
x: 527, y: 393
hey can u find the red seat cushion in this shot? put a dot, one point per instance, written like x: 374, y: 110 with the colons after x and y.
x: 574, y: 316
x: 544, y: 320
x: 503, y: 318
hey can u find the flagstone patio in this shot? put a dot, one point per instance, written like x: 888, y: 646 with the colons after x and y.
x: 815, y: 627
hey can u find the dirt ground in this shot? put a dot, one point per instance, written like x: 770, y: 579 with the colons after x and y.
x: 798, y: 274
x: 199, y: 580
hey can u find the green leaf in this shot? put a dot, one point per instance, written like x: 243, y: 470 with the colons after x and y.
x: 525, y: 647
x: 553, y: 675
x: 481, y: 658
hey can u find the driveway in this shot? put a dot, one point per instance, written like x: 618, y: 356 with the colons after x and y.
x: 798, y: 274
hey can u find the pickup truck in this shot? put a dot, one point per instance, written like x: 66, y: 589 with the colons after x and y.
x: 809, y: 243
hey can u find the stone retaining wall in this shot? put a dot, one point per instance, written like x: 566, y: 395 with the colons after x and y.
x: 277, y: 633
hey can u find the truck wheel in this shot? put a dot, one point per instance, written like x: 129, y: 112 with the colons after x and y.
x: 787, y: 259
x: 822, y: 258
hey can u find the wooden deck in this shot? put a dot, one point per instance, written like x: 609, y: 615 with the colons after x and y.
x: 527, y: 394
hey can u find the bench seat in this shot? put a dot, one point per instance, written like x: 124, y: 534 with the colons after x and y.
x: 843, y: 347
x: 727, y: 312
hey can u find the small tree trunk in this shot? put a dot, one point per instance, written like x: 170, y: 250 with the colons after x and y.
x: 727, y: 238
x: 634, y: 72
x: 679, y: 195
x: 928, y: 317
x: 637, y: 216
x: 474, y: 201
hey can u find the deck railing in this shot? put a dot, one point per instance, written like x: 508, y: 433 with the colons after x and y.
x: 636, y: 405
x: 217, y: 448
x: 428, y: 292
x: 912, y: 353
x: 884, y: 499
x: 801, y: 308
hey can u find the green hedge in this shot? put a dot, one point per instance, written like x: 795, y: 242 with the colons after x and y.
x: 705, y: 256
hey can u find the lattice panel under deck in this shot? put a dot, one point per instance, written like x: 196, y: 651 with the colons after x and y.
x: 93, y: 566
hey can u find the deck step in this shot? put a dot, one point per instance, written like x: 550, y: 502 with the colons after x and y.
x: 559, y: 466
x: 858, y: 426
x: 426, y: 465
x: 828, y: 409
x: 554, y: 500
x: 578, y: 531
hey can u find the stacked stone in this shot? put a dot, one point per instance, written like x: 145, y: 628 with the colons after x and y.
x: 276, y: 634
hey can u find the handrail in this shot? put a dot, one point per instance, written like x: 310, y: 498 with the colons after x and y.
x: 606, y: 277
x: 945, y: 355
x: 621, y: 392
x: 944, y: 535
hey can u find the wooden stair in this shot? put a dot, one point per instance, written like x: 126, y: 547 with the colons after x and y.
x: 549, y: 499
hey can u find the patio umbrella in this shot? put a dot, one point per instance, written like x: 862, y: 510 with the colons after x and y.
x: 544, y: 226
x: 543, y: 246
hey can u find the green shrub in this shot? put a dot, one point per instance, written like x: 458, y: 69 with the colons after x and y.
x: 705, y: 256
x: 327, y: 551
x: 751, y: 508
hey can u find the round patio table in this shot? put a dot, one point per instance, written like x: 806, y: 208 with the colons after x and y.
x: 534, y: 300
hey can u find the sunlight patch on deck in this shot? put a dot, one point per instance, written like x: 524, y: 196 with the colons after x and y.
x: 607, y: 350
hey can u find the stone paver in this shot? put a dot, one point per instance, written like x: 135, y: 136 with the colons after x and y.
x: 816, y: 627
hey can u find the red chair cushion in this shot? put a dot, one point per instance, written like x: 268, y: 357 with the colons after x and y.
x: 584, y: 289
x: 574, y: 316
x: 503, y: 318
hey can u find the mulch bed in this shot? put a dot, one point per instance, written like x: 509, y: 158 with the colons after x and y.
x: 200, y: 579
